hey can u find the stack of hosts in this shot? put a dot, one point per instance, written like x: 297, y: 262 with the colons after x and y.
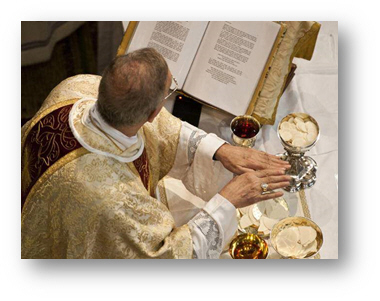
x: 90, y: 169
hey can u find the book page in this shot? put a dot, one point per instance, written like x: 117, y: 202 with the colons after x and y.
x: 176, y: 41
x: 229, y: 63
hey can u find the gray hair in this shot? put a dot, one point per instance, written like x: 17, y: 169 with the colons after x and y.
x: 132, y: 86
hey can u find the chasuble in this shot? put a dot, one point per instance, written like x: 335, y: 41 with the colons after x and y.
x: 86, y: 193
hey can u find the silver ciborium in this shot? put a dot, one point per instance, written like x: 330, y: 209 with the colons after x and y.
x: 298, y: 133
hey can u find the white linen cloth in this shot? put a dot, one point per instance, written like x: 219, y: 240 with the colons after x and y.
x: 216, y: 223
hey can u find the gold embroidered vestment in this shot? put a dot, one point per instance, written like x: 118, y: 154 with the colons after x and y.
x: 86, y: 205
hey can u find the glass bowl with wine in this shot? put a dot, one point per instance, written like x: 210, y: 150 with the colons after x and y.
x: 244, y: 130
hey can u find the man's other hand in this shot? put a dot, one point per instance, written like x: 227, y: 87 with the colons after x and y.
x: 245, y: 190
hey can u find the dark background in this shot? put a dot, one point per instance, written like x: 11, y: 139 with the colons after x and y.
x: 86, y: 50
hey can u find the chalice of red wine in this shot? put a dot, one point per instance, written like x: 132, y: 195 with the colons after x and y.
x: 298, y: 133
x: 244, y: 130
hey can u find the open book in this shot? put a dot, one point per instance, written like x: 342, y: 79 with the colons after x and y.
x: 223, y: 64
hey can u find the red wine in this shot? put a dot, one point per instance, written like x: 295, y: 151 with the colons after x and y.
x: 245, y: 128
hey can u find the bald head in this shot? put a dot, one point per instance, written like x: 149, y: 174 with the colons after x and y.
x: 132, y: 87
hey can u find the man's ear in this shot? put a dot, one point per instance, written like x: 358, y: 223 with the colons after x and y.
x: 154, y: 114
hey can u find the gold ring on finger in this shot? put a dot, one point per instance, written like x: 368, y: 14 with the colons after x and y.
x: 264, y: 187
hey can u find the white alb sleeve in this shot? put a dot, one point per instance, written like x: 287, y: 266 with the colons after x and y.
x: 212, y: 228
x: 194, y: 164
x: 216, y: 223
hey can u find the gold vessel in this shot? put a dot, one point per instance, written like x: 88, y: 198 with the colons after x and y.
x: 248, y: 246
x: 296, y: 221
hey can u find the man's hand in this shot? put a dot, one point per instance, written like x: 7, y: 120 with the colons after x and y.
x: 245, y: 190
x: 240, y: 160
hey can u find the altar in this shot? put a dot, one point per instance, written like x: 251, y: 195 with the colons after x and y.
x: 313, y: 90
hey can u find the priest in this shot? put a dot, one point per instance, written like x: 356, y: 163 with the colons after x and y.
x: 94, y: 153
